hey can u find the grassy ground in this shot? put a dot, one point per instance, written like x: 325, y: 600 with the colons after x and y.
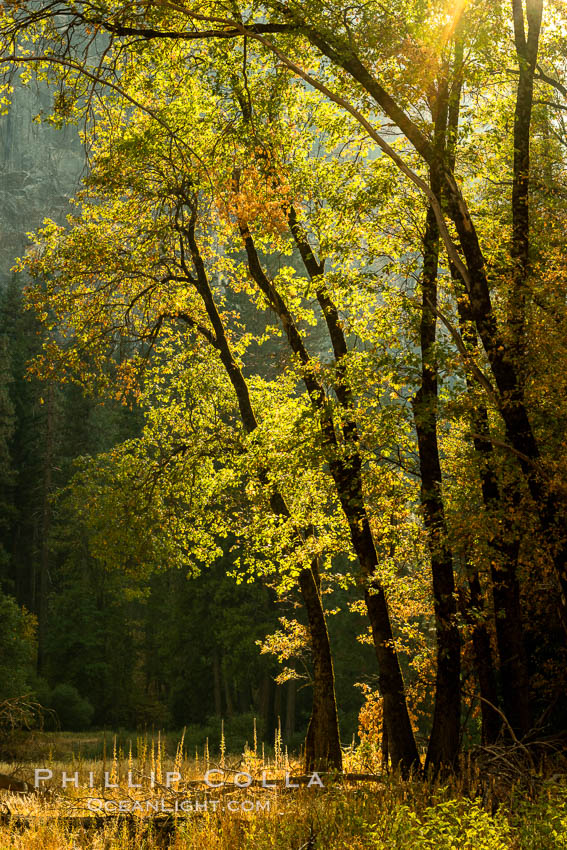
x: 473, y: 812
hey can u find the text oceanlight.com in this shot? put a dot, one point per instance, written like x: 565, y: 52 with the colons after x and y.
x: 186, y: 806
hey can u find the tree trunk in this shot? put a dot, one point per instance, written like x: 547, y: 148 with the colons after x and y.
x: 244, y: 697
x: 323, y: 734
x: 217, y: 684
x: 403, y: 749
x: 445, y: 733
x: 484, y: 663
x: 290, y: 710
x: 227, y: 692
x: 506, y: 596
x: 526, y: 52
x: 322, y: 745
x: 401, y: 742
x: 267, y: 708
x: 505, y: 546
x: 346, y: 471
x: 43, y: 592
x: 384, y: 748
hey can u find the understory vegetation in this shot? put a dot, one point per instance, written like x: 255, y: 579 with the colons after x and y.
x: 496, y: 802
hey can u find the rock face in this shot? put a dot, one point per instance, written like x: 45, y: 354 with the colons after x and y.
x: 40, y: 168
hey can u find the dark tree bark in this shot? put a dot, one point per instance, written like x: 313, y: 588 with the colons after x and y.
x: 323, y: 746
x: 277, y: 722
x: 267, y: 707
x: 244, y: 697
x: 345, y: 468
x: 229, y: 708
x: 217, y: 684
x: 526, y: 51
x: 445, y: 733
x: 290, y: 710
x: 506, y: 360
x: 401, y: 742
x: 473, y: 613
x: 506, y: 543
x: 384, y: 748
x: 503, y: 566
x: 506, y: 596
x: 44, y: 554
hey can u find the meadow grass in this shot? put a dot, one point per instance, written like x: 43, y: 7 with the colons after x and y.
x: 463, y: 813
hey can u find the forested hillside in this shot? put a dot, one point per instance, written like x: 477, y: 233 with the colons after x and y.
x: 284, y: 394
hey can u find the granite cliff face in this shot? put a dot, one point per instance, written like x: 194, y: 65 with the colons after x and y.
x: 40, y: 168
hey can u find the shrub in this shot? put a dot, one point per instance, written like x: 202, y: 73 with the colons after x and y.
x: 73, y: 711
x: 17, y: 648
x: 458, y: 824
x: 543, y: 823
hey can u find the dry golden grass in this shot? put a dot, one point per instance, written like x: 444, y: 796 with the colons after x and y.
x: 386, y: 814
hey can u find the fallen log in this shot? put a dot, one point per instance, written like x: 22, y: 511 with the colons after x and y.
x: 163, y: 825
x: 10, y: 783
